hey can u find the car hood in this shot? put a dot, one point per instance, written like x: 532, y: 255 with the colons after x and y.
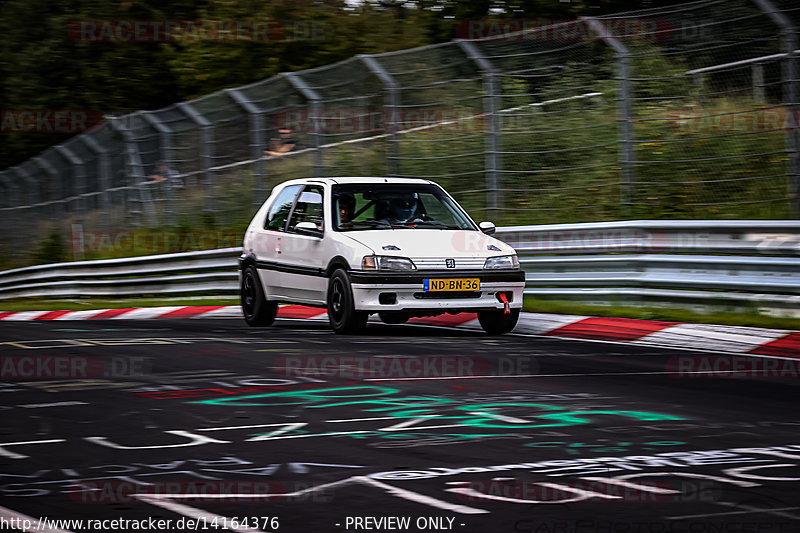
x: 430, y: 243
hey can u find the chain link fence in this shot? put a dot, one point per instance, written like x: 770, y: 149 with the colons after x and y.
x: 681, y: 112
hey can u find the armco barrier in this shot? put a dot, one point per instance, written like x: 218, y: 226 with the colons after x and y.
x: 630, y: 262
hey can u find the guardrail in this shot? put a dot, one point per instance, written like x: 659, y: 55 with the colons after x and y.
x: 665, y: 263
x: 207, y: 271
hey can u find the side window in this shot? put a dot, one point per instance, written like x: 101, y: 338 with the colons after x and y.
x: 308, y: 207
x: 279, y: 210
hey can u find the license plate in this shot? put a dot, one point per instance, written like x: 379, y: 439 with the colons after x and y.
x: 462, y: 284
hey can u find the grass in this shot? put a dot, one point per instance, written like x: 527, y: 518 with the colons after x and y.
x: 752, y: 319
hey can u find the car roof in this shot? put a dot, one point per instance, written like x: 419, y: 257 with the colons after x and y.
x: 357, y: 179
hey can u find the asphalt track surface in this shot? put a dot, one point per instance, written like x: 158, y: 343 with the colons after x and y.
x: 295, y: 429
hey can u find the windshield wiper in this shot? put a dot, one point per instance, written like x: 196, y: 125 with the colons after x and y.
x: 368, y: 223
x: 436, y: 223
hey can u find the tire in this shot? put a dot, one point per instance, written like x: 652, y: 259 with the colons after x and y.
x: 342, y: 314
x: 257, y: 310
x: 496, y: 322
x: 393, y: 317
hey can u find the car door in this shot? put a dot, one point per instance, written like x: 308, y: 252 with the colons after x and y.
x: 268, y: 241
x: 305, y: 255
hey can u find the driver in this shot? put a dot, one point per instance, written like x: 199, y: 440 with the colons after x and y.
x: 347, y: 206
x: 400, y: 209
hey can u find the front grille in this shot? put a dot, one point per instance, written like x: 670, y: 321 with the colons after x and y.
x: 446, y: 295
x: 438, y: 263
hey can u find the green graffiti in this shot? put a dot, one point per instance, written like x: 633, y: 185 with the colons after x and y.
x: 304, y: 397
x: 392, y: 403
x: 569, y: 418
x: 481, y: 415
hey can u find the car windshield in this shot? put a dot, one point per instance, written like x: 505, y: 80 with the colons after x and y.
x: 358, y: 207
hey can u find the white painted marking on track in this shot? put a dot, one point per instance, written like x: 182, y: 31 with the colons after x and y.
x: 36, y: 526
x: 780, y: 511
x: 193, y: 512
x: 12, y: 455
x: 502, y: 418
x: 158, y: 499
x: 561, y: 375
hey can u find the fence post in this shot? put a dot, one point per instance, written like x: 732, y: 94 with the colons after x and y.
x: 104, y: 171
x: 789, y: 73
x: 10, y: 202
x: 257, y: 144
x: 79, y: 180
x: 33, y: 193
x: 165, y: 136
x: 494, y: 195
x: 758, y: 83
x: 391, y: 103
x: 316, y: 115
x: 627, y: 158
x: 207, y: 129
x: 133, y: 168
x: 49, y: 170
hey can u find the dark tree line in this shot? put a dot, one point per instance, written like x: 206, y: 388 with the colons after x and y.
x: 46, y: 64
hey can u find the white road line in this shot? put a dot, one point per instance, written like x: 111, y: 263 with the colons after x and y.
x: 197, y: 514
x: 36, y: 526
x: 163, y: 500
x: 748, y: 510
x: 675, y: 373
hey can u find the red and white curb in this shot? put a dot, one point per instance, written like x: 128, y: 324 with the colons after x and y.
x: 735, y: 339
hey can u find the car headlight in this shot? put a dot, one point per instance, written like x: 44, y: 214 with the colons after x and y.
x: 503, y: 261
x: 386, y: 262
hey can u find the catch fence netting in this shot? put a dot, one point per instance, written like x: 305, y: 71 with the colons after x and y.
x: 685, y: 112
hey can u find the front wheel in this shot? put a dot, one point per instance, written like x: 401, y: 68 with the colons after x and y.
x: 497, y: 322
x: 342, y: 314
x: 257, y: 310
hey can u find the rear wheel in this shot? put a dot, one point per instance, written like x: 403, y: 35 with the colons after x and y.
x: 257, y: 310
x: 341, y: 308
x: 497, y: 322
x: 393, y: 317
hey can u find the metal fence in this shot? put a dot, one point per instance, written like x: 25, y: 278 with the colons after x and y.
x: 637, y: 263
x: 681, y: 112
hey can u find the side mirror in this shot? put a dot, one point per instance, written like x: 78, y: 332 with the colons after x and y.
x: 308, y: 228
x: 487, y: 227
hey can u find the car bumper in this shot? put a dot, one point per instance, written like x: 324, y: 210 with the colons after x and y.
x: 408, y: 294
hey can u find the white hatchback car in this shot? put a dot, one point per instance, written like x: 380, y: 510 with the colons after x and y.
x: 394, y: 246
